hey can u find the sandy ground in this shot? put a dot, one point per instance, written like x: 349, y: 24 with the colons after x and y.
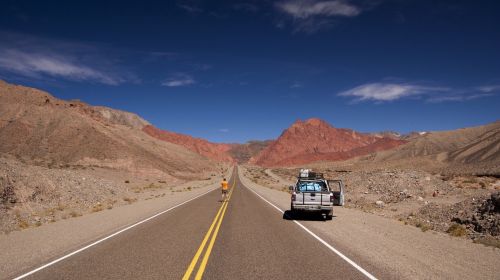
x: 379, y: 243
x: 30, y: 248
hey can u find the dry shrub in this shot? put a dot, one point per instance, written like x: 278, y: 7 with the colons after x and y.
x: 456, y: 230
x: 74, y: 214
x: 23, y: 224
x: 129, y: 200
x: 97, y: 208
x: 423, y: 227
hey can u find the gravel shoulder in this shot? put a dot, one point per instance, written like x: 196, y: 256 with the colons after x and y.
x: 391, y: 248
x: 30, y: 248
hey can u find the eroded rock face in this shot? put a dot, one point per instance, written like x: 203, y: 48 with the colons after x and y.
x: 201, y: 146
x: 7, y: 194
x: 485, y: 217
x: 315, y: 140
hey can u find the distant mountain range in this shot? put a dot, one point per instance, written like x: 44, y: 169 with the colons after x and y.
x: 36, y: 127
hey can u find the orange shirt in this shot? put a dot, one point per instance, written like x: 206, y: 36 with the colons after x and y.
x: 224, y: 185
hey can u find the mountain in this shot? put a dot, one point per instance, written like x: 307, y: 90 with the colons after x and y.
x: 37, y: 128
x: 315, y: 140
x: 242, y: 153
x: 465, y: 145
x: 201, y: 146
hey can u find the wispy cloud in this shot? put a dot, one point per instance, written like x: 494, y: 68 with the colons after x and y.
x: 39, y: 58
x: 384, y: 92
x: 457, y: 98
x: 302, y: 9
x: 296, y: 85
x: 388, y: 91
x: 489, y: 88
x: 223, y: 130
x: 190, y: 7
x: 39, y: 64
x: 179, y: 80
x: 310, y: 16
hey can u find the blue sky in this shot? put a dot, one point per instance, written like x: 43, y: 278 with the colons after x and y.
x: 232, y: 71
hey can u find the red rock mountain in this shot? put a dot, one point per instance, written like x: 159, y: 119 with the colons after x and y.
x: 201, y: 146
x: 37, y: 128
x: 315, y: 140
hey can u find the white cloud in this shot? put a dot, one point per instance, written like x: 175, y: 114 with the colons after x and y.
x: 310, y: 16
x: 224, y: 130
x: 457, y: 98
x: 381, y: 92
x: 489, y: 88
x: 190, y: 7
x: 38, y: 64
x: 40, y: 58
x: 388, y: 91
x: 179, y: 80
x: 302, y: 9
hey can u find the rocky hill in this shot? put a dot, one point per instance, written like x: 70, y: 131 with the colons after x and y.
x: 315, y: 140
x: 201, y: 146
x: 472, y: 150
x: 242, y: 153
x: 37, y: 128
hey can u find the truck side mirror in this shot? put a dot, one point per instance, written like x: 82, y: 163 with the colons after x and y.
x: 290, y: 188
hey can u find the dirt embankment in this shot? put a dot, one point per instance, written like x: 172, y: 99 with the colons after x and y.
x: 31, y: 196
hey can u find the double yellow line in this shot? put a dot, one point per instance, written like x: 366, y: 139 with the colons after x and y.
x: 217, y: 220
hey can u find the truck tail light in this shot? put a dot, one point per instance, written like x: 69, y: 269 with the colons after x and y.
x: 293, y: 196
x: 332, y: 197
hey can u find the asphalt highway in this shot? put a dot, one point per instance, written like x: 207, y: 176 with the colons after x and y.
x: 242, y: 238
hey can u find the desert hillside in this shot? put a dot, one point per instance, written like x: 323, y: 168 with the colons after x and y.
x: 61, y: 159
x: 473, y: 150
x: 37, y: 128
x: 315, y: 140
x: 201, y: 146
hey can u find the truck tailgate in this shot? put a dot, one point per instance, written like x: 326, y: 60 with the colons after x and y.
x: 313, y: 198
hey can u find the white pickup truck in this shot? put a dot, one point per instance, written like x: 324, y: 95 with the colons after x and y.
x: 313, y: 193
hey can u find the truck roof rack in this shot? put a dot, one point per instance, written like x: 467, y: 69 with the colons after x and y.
x: 312, y: 175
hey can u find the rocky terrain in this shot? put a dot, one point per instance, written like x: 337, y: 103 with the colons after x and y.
x: 473, y: 150
x: 315, y: 140
x: 60, y: 159
x: 459, y: 205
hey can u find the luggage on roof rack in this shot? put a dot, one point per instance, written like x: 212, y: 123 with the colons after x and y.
x: 309, y: 174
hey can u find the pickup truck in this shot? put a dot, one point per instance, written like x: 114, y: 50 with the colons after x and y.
x: 312, y: 193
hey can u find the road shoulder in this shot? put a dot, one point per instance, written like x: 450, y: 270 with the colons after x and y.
x: 30, y: 248
x: 392, y: 248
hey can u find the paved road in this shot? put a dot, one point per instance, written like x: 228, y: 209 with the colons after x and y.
x: 244, y: 238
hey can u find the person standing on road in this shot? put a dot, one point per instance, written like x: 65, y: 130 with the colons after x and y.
x: 224, y: 186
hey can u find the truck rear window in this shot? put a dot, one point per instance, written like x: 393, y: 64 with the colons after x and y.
x: 311, y: 187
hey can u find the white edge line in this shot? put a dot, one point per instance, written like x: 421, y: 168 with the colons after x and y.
x: 355, y: 265
x: 109, y: 236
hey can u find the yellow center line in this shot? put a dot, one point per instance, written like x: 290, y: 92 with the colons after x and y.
x: 194, y: 261
x: 203, y: 264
